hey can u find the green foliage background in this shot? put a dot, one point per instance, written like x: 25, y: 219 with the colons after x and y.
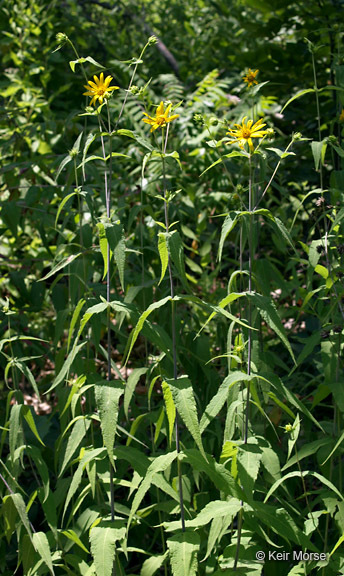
x: 68, y: 432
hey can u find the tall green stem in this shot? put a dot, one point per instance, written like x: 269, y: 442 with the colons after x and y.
x: 174, y: 343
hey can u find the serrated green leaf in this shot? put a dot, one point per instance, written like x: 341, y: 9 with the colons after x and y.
x: 227, y: 226
x: 107, y: 396
x: 159, y: 464
x: 15, y: 427
x: 185, y: 404
x: 104, y: 246
x: 130, y: 387
x: 163, y: 253
x: 89, y: 455
x: 66, y: 366
x: 176, y: 252
x: 268, y: 312
x: 71, y: 535
x: 74, y: 440
x: 74, y: 319
x: 152, y: 564
x: 319, y: 151
x: 19, y: 503
x: 183, y: 550
x: 103, y: 538
x: 170, y: 409
x: 248, y: 463
x: 41, y: 545
x: 27, y: 412
x: 215, y: 509
x: 65, y: 262
x: 218, y: 401
x: 141, y: 322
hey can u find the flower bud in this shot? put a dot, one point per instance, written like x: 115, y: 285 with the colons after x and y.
x: 199, y: 119
x: 61, y: 38
x: 73, y: 152
x: 152, y: 40
x: 297, y: 136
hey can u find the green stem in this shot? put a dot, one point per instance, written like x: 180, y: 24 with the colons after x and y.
x: 174, y: 344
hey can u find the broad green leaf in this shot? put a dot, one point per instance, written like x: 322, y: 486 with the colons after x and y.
x: 281, y: 522
x: 23, y: 368
x: 15, y: 428
x: 74, y: 320
x: 70, y: 534
x: 215, y: 509
x: 185, y: 404
x: 115, y: 236
x: 130, y: 387
x: 103, y: 538
x: 141, y: 321
x: 41, y: 544
x: 66, y: 366
x: 183, y: 550
x: 163, y: 253
x: 319, y: 151
x: 19, y: 503
x: 176, y: 252
x: 218, y: 473
x: 107, y: 399
x: 27, y: 412
x: 293, y: 435
x: 248, y: 463
x: 170, y: 409
x: 159, y: 464
x: 74, y: 440
x: 321, y: 270
x: 268, y: 312
x: 152, y: 565
x: 220, y: 398
x: 227, y: 226
x: 89, y: 455
x: 104, y: 248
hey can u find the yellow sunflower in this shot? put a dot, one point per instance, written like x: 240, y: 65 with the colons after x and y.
x: 245, y: 132
x: 99, y: 89
x: 161, y: 117
x: 250, y: 77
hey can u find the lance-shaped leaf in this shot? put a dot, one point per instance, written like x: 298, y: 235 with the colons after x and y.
x: 103, y: 538
x: 41, y: 544
x: 183, y: 550
x: 176, y: 252
x: 107, y: 399
x: 212, y: 510
x: 130, y: 387
x: 268, y: 312
x: 185, y: 404
x: 158, y: 465
x: 141, y: 322
x: 248, y: 462
x: 163, y: 253
x: 170, y: 409
x: 80, y: 427
x: 227, y: 226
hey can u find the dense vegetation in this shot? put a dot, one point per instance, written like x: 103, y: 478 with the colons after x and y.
x: 172, y: 296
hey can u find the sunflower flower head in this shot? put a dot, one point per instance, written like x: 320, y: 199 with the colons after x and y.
x: 245, y: 131
x: 250, y: 77
x: 99, y: 89
x: 161, y: 117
